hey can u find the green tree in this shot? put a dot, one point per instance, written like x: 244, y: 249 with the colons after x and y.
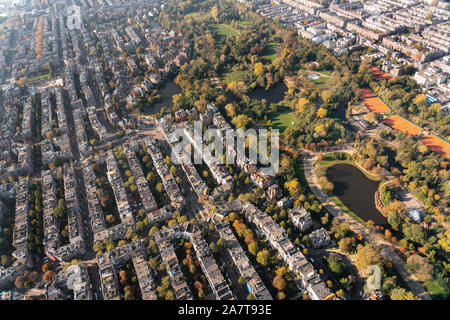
x: 402, y: 294
x: 221, y: 244
x: 394, y: 220
x: 415, y: 233
x: 335, y: 264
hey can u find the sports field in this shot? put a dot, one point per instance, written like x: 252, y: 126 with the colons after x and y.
x: 373, y: 102
x: 378, y: 74
x: 402, y: 125
x: 433, y: 143
x: 437, y: 145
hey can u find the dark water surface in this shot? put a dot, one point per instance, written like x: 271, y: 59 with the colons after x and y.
x: 356, y: 191
x: 274, y: 95
x: 167, y: 90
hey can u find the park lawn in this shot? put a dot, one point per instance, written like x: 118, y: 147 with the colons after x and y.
x: 325, y: 73
x: 224, y: 30
x: 322, y: 81
x: 280, y: 121
x: 198, y: 16
x: 270, y: 52
x: 244, y: 23
x: 234, y: 76
x: 41, y: 77
x: 329, y: 163
x: 436, y: 291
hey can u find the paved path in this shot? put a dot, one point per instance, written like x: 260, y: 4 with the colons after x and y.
x: 387, y: 249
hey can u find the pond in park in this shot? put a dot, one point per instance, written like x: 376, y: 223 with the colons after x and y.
x: 274, y: 95
x: 167, y: 90
x: 356, y: 191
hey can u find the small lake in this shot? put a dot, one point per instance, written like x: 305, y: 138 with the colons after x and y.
x: 274, y: 95
x: 166, y: 91
x: 356, y: 191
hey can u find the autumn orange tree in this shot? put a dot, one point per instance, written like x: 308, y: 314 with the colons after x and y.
x: 279, y: 283
x: 48, y: 276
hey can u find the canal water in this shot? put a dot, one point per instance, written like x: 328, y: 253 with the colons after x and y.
x: 274, y: 95
x: 356, y: 191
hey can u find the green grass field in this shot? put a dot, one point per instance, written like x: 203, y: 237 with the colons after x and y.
x: 41, y: 77
x: 198, y: 16
x: 436, y: 291
x: 223, y: 30
x: 280, y: 121
x: 322, y: 81
x: 234, y: 76
x: 270, y: 52
x: 325, y: 73
x: 329, y: 163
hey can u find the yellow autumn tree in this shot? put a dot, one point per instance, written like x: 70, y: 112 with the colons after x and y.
x: 229, y: 108
x: 320, y: 130
x: 327, y: 95
x: 366, y: 256
x: 241, y: 121
x: 387, y: 234
x: 293, y: 187
x: 22, y: 81
x: 215, y: 13
x: 258, y: 68
x: 177, y: 99
x: 237, y: 87
x: 302, y: 104
x: 321, y: 112
x: 285, y: 163
x: 435, y: 107
x: 444, y: 242
x: 285, y: 52
x: 420, y: 99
